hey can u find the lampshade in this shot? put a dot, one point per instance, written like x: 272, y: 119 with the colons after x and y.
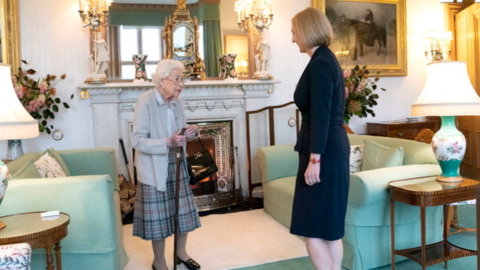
x: 15, y: 121
x: 447, y: 91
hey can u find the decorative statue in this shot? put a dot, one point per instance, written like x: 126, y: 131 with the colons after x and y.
x: 262, y: 60
x: 103, y: 56
x: 99, y: 64
x: 181, y: 4
x: 266, y: 56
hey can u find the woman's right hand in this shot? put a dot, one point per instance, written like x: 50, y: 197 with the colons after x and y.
x: 176, y: 140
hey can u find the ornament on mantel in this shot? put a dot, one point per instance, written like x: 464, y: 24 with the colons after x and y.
x: 140, y: 71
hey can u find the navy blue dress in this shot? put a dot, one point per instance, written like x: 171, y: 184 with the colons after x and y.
x: 319, y: 210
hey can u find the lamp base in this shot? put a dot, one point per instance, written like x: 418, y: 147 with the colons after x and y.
x: 15, y: 149
x: 444, y: 179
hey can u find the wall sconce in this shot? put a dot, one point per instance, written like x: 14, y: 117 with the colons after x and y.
x: 437, y: 45
x: 252, y: 11
x: 94, y: 13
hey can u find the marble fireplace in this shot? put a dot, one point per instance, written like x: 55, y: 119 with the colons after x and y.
x: 210, y: 101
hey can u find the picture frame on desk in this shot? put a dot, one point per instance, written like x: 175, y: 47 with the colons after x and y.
x: 384, y: 27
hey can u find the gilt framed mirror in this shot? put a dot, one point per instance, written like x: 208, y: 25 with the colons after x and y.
x: 10, y: 39
x: 137, y: 27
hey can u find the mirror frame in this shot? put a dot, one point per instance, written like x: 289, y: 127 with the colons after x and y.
x: 10, y: 33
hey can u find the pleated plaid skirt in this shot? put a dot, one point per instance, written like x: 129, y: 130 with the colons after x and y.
x: 154, y: 215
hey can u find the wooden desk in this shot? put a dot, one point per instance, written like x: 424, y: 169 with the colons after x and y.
x: 423, y: 192
x: 399, y: 129
x: 30, y: 228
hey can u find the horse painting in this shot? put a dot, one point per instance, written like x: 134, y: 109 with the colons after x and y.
x: 366, y: 33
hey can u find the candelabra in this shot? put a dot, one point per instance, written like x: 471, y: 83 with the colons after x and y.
x: 437, y: 45
x: 252, y: 13
x: 94, y: 13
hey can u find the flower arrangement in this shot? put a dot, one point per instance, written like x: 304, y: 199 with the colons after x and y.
x: 359, y: 93
x: 38, y: 96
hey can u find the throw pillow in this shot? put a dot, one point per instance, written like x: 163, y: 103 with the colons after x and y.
x: 356, y: 157
x: 27, y: 171
x: 56, y: 155
x: 48, y: 167
x: 377, y: 155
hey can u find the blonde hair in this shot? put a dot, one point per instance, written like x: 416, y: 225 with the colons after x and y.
x: 164, y: 69
x: 313, y: 27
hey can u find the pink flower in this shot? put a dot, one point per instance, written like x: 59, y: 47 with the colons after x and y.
x: 228, y: 59
x: 19, y: 90
x: 233, y: 73
x: 347, y: 72
x: 14, y: 79
x: 43, y: 86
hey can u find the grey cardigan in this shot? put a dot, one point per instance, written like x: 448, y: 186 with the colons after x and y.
x: 149, y: 138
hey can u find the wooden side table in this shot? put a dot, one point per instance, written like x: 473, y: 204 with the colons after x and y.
x: 423, y: 192
x: 400, y: 129
x: 32, y: 229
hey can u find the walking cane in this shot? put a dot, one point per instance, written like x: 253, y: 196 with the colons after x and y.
x: 177, y: 195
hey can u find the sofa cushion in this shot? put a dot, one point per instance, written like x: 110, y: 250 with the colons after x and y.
x: 56, y: 155
x: 356, y: 158
x: 377, y: 156
x: 29, y: 170
x: 48, y: 167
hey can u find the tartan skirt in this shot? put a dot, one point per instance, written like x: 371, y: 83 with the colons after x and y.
x: 154, y: 215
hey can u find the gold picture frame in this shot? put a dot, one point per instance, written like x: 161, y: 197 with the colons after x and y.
x: 389, y: 27
x: 10, y: 34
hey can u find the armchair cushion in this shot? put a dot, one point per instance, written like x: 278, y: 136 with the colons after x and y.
x: 29, y: 170
x: 15, y: 257
x: 377, y: 155
x: 56, y: 155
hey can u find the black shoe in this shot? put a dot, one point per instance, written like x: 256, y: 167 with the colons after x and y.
x: 191, y: 264
x: 153, y: 267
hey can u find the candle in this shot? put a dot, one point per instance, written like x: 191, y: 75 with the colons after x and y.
x: 239, y: 16
x: 270, y: 7
x: 81, y: 5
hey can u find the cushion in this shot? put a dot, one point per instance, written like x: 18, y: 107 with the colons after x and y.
x: 356, y: 157
x: 48, y: 167
x: 56, y: 155
x: 29, y: 170
x: 377, y: 155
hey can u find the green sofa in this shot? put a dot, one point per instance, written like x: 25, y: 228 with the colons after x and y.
x: 367, y: 229
x: 90, y: 196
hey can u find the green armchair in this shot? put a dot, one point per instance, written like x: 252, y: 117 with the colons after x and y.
x: 367, y: 230
x: 90, y: 196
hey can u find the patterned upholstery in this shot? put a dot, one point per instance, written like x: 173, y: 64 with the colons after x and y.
x: 15, y: 257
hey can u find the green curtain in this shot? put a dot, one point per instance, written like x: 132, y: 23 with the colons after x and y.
x: 212, y: 46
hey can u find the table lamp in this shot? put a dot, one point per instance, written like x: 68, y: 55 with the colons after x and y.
x: 15, y: 122
x: 447, y: 93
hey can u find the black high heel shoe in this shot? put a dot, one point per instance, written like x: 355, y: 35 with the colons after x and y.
x: 191, y: 264
x: 153, y: 267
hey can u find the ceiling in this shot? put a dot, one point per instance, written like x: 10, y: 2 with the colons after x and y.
x: 162, y: 2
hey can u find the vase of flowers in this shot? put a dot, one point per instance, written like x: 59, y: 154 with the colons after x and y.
x: 139, y: 61
x: 38, y: 97
x: 359, y: 93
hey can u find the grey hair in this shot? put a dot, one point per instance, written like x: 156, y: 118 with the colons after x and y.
x: 164, y: 69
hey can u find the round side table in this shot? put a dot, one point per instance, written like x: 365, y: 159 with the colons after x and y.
x: 39, y: 232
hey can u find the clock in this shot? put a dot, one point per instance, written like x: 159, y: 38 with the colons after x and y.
x: 57, y: 135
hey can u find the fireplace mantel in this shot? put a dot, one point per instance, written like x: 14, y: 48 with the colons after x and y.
x: 113, y: 107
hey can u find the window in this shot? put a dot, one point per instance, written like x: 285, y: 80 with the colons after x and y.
x: 139, y: 40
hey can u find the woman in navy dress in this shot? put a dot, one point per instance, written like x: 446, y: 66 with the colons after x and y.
x: 321, y: 190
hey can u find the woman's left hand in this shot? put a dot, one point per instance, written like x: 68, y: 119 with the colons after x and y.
x: 191, y: 131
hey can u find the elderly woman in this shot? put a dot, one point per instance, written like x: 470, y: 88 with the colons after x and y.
x: 159, y: 117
